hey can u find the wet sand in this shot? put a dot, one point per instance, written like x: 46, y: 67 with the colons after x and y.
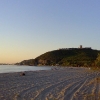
x: 56, y: 84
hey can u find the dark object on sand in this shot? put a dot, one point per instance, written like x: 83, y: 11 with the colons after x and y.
x: 22, y: 74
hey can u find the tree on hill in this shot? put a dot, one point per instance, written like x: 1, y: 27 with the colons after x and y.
x: 97, y: 61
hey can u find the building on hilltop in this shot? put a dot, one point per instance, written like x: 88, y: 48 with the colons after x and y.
x: 81, y: 47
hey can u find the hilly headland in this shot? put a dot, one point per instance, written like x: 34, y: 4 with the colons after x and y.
x: 76, y: 57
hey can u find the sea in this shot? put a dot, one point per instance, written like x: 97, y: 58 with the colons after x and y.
x: 18, y: 68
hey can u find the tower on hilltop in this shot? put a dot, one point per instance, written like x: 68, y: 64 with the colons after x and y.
x: 80, y: 46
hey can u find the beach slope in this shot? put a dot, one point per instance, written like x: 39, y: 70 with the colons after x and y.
x: 55, y: 84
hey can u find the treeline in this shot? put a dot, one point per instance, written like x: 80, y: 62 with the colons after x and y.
x: 74, y: 57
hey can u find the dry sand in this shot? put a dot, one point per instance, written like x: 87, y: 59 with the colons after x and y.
x: 56, y: 84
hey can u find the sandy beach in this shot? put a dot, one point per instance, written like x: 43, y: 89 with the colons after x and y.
x: 55, y: 84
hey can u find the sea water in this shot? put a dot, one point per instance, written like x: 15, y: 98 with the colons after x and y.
x: 18, y: 68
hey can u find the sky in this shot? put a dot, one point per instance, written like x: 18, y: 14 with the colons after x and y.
x: 29, y: 28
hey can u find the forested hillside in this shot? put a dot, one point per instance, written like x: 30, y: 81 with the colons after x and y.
x: 66, y: 57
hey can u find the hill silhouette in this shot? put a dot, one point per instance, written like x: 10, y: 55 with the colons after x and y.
x: 66, y: 57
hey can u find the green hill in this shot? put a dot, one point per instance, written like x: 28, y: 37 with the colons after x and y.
x: 66, y: 57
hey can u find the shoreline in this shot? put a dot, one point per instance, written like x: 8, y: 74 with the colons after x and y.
x: 60, y: 84
x: 15, y: 68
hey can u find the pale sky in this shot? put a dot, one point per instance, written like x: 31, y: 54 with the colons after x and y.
x: 29, y: 28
